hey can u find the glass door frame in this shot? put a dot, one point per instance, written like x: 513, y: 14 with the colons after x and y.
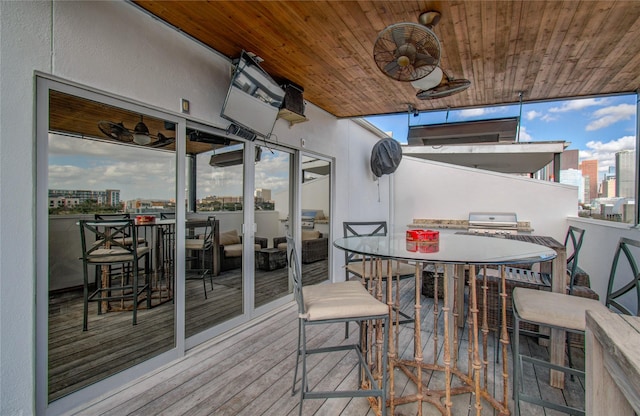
x: 332, y: 163
x: 247, y: 261
x: 294, y: 191
x: 44, y: 84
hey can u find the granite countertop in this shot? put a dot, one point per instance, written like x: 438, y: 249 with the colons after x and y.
x: 523, y: 226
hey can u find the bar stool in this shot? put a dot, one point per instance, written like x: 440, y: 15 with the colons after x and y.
x: 198, y: 247
x: 107, y: 243
x: 566, y: 312
x: 364, y: 269
x: 335, y: 303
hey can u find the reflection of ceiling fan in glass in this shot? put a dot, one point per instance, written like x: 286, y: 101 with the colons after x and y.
x: 140, y: 134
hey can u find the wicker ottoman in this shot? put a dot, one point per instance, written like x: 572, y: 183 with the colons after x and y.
x: 494, y: 302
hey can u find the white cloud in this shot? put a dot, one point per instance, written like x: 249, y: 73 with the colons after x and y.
x: 605, y: 152
x: 532, y: 115
x: 609, y: 115
x: 574, y: 105
x: 524, y: 135
x: 549, y: 117
x: 76, y: 163
x: 478, y: 112
x: 473, y: 112
x: 623, y: 143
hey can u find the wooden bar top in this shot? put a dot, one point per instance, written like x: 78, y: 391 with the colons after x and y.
x: 613, y: 364
x: 543, y: 240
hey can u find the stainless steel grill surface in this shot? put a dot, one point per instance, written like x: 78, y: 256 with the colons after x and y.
x: 505, y: 223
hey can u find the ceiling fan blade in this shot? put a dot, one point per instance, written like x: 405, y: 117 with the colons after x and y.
x: 445, y: 89
x: 425, y: 59
x: 391, y: 68
x: 163, y: 141
x: 399, y: 36
x: 116, y: 131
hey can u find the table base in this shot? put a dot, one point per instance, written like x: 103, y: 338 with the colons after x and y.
x: 474, y: 378
x: 436, y: 397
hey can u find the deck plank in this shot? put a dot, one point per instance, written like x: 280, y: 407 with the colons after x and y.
x: 251, y: 373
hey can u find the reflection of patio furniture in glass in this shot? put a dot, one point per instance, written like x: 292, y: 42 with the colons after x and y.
x: 315, y: 247
x: 271, y: 259
x: 166, y: 243
x: 107, y: 243
x: 231, y: 249
x: 198, y: 247
x: 120, y: 216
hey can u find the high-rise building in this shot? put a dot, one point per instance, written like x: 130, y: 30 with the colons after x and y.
x: 263, y: 194
x: 590, y: 168
x: 609, y: 188
x: 113, y: 197
x: 625, y: 174
x: 109, y: 197
x: 573, y: 177
x: 569, y: 159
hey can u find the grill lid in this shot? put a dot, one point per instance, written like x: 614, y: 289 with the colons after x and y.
x: 493, y: 219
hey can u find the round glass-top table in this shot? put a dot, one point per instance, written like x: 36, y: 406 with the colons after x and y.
x: 450, y: 251
x: 451, y: 248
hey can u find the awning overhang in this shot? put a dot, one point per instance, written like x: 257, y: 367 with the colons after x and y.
x: 513, y: 158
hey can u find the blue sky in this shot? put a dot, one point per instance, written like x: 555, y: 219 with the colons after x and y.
x: 597, y: 127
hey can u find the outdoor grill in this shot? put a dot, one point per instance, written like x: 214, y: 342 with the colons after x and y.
x: 503, y: 223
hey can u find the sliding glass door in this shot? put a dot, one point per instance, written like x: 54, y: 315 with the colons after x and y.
x: 210, y: 212
x: 93, y: 165
x: 215, y: 278
x: 272, y: 201
x: 315, y: 197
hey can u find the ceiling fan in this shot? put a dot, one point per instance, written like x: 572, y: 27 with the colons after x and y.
x: 445, y: 88
x: 140, y: 134
x: 408, y: 51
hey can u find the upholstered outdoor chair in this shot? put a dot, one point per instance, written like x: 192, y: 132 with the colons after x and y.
x: 231, y: 249
x: 315, y: 246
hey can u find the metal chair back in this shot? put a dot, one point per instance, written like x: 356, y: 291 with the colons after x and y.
x: 630, y: 248
x: 109, y: 234
x: 573, y: 243
x: 296, y: 275
x: 208, y: 232
x: 361, y: 228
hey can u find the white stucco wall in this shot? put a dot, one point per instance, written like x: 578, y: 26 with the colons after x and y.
x: 114, y: 47
x: 598, y: 248
x: 441, y: 191
x: 24, y: 36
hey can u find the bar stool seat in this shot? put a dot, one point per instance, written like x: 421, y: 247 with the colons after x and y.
x: 339, y: 301
x: 363, y: 269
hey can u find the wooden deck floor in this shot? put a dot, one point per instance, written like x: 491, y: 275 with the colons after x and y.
x: 111, y: 344
x: 251, y: 371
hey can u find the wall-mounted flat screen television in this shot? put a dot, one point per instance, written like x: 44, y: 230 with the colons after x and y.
x: 253, y: 99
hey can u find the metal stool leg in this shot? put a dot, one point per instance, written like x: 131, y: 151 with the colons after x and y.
x: 517, y: 365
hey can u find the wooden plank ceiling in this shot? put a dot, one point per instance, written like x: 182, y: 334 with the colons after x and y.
x: 545, y: 49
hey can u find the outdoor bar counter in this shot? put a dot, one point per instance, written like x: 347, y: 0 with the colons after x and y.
x: 612, y: 364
